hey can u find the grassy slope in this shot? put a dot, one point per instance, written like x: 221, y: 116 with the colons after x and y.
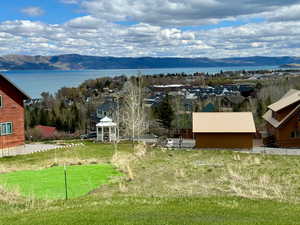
x: 171, y: 187
x: 49, y: 183
x: 210, y: 211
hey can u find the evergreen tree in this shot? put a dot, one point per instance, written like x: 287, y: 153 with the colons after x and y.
x: 259, y: 109
x: 164, y: 113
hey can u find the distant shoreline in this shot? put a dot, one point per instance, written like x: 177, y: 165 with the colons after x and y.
x: 292, y: 65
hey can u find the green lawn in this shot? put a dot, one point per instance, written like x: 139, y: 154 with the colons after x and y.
x: 160, y: 211
x: 50, y: 183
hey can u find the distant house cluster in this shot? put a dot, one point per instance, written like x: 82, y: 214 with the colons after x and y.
x: 228, y: 96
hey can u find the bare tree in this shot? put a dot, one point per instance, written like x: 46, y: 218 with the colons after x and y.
x: 134, y: 116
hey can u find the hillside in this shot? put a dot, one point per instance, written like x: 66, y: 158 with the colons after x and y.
x: 78, y: 62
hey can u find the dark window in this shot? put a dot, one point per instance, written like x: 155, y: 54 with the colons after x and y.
x: 1, y: 101
x: 295, y: 134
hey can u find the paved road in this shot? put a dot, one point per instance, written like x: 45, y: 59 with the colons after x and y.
x: 276, y: 151
x: 189, y: 143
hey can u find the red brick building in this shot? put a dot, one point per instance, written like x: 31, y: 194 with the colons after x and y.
x: 12, y: 131
x: 46, y: 131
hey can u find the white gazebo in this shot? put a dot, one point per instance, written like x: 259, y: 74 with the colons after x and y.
x: 106, y: 130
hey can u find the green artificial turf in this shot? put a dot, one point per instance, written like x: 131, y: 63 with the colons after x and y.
x: 50, y: 183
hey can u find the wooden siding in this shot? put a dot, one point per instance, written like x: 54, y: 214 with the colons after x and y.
x: 224, y: 140
x: 283, y: 134
x: 285, y: 111
x: 12, y: 111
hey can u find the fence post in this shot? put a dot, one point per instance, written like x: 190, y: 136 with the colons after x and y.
x: 66, y: 184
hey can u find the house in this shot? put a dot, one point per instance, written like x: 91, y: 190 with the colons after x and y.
x: 46, y: 131
x: 224, y: 130
x: 108, y: 108
x: 12, y: 131
x: 283, y: 121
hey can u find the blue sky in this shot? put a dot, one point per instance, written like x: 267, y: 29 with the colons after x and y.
x: 54, y: 10
x: 187, y: 28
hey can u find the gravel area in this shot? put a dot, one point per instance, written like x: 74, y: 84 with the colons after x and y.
x: 27, y: 149
x: 276, y: 151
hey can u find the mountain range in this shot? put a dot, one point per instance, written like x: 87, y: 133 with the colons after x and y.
x: 81, y: 62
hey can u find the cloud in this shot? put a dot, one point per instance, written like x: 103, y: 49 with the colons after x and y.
x: 290, y: 13
x: 85, y: 22
x: 33, y: 11
x: 162, y: 28
x: 180, y: 12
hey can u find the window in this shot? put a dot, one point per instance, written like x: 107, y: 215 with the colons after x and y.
x: 6, y: 128
x: 295, y: 134
x: 1, y: 101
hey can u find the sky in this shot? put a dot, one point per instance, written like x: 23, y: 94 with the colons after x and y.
x: 157, y: 28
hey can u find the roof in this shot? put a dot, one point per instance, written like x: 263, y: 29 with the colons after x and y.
x: 275, y: 123
x: 106, y: 122
x: 108, y: 106
x: 223, y: 122
x: 169, y: 86
x: 46, y: 130
x: 235, y: 99
x: 269, y: 118
x: 288, y: 99
x: 25, y: 96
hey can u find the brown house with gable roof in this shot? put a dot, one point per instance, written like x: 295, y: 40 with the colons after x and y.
x: 12, y: 131
x: 283, y: 121
x: 220, y: 130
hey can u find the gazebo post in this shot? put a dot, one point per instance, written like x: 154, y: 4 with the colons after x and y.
x: 97, y: 128
x: 102, y: 134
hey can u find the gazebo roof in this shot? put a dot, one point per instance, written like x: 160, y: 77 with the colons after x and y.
x: 106, y: 122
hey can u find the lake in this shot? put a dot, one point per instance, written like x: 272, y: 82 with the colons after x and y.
x: 34, y: 82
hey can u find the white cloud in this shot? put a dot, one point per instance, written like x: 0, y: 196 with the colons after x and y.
x: 85, y: 22
x: 33, y: 11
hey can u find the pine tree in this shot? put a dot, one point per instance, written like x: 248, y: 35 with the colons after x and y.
x: 164, y: 113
